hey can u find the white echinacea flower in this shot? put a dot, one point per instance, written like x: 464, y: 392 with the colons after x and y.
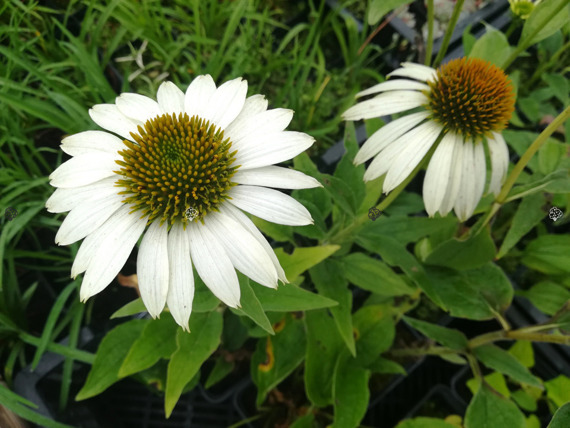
x: 185, y: 166
x: 467, y: 103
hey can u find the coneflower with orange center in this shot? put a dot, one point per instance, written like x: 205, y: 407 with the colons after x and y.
x: 463, y: 106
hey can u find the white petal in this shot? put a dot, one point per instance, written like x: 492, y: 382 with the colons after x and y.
x: 181, y: 278
x: 65, y: 199
x: 263, y: 150
x: 454, y: 184
x: 85, y: 169
x: 88, y: 216
x: 170, y: 98
x: 479, y: 169
x: 411, y: 154
x: 198, y: 95
x: 241, y: 218
x: 226, y: 103
x: 116, y: 239
x: 92, y: 142
x: 438, y: 174
x: 213, y: 264
x: 384, y: 104
x: 415, y: 71
x: 270, y: 205
x: 499, y: 154
x: 152, y: 268
x: 387, y: 134
x: 108, y: 117
x: 394, y: 85
x: 466, y: 197
x: 253, y: 105
x: 269, y: 121
x: 275, y: 176
x: 137, y: 107
x: 245, y: 253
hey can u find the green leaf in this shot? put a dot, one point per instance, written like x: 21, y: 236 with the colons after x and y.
x: 278, y: 232
x: 547, y: 296
x: 384, y: 366
x: 451, y: 338
x: 346, y: 171
x: 350, y: 392
x: 290, y: 298
x: 221, y: 369
x: 306, y: 421
x: 422, y: 422
x: 462, y: 255
x: 474, y: 294
x: 329, y: 279
x: 323, y: 347
x: 404, y: 229
x: 275, y: 357
x: 303, y: 258
x: 193, y: 349
x: 558, y: 84
x: 500, y: 360
x: 522, y: 351
x: 561, y: 418
x: 558, y: 390
x: 204, y: 299
x: 375, y: 330
x: 134, y: 307
x: 495, y: 380
x: 545, y: 18
x: 528, y: 215
x: 549, y: 254
x: 550, y: 155
x: 110, y: 356
x: 157, y: 340
x: 341, y: 194
x: 524, y: 400
x: 373, y: 275
x: 379, y: 8
x: 493, y: 46
x: 250, y: 305
x: 487, y: 409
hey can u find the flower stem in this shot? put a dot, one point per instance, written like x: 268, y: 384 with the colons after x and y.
x: 448, y: 32
x: 521, y: 334
x: 429, y: 47
x: 519, y: 167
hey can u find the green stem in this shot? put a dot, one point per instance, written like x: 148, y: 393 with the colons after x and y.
x: 66, y: 351
x: 429, y: 47
x: 517, y: 335
x: 519, y: 167
x: 419, y: 352
x: 448, y: 32
x: 527, y: 41
x: 545, y: 66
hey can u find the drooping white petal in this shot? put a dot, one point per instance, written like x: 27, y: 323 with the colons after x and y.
x: 253, y: 105
x: 181, y: 278
x: 198, y: 95
x: 415, y: 71
x: 213, y: 264
x: 438, y: 174
x: 411, y: 154
x: 137, y: 107
x: 84, y: 169
x: 88, y: 216
x: 153, y: 268
x: 394, y: 85
x: 275, y: 176
x: 257, y: 151
x: 269, y: 121
x: 499, y: 154
x: 270, y: 205
x: 92, y: 142
x: 456, y: 174
x: 466, y: 198
x: 116, y: 240
x: 108, y: 117
x: 245, y: 253
x: 226, y: 103
x: 241, y: 218
x: 65, y: 199
x: 479, y: 169
x: 387, y: 134
x: 170, y: 98
x: 384, y: 104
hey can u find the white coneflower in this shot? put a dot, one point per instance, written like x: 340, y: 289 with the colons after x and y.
x: 184, y: 166
x: 466, y: 102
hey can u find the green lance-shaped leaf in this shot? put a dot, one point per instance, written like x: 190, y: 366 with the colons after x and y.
x: 193, y: 349
x: 561, y: 418
x: 302, y: 259
x: 500, y: 360
x: 379, y: 8
x: 375, y: 330
x: 110, y: 356
x: 290, y: 298
x: 549, y: 254
x: 446, y: 336
x: 545, y: 18
x: 350, y: 392
x: 488, y: 409
x: 493, y: 46
x: 547, y: 296
x: 250, y: 305
x: 424, y: 423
